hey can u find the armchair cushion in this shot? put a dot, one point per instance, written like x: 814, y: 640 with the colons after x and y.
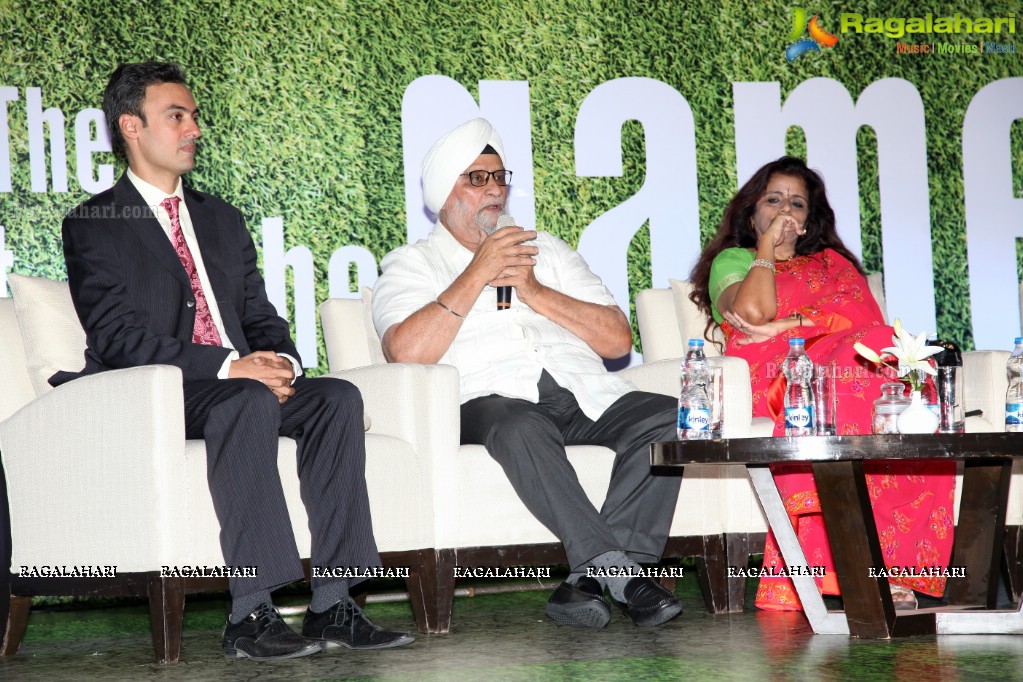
x: 93, y: 490
x: 18, y: 389
x: 53, y: 337
x: 376, y: 352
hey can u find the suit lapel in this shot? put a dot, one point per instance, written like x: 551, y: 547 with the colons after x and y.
x: 210, y: 236
x: 204, y: 224
x: 143, y: 223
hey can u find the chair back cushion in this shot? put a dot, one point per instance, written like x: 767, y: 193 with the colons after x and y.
x: 692, y: 322
x: 875, y: 280
x: 349, y: 334
x: 53, y: 337
x: 17, y: 385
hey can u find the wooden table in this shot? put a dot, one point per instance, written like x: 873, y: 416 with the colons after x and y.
x: 838, y: 469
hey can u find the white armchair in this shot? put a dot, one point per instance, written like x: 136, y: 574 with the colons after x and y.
x: 667, y: 319
x: 474, y: 517
x: 99, y: 474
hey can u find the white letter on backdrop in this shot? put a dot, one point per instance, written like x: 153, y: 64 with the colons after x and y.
x: 337, y: 272
x: 54, y: 118
x: 7, y: 94
x: 86, y: 145
x: 275, y: 261
x: 994, y: 217
x: 668, y: 197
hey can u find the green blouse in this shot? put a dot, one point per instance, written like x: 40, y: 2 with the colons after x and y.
x: 729, y: 266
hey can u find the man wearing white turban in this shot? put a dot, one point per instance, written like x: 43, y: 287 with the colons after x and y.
x: 532, y: 376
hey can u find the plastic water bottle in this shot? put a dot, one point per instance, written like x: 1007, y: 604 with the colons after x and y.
x: 1014, y: 394
x: 695, y: 366
x: 693, y: 402
x: 1016, y: 352
x: 798, y: 370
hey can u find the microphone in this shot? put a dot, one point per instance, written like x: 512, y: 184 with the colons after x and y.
x: 504, y: 293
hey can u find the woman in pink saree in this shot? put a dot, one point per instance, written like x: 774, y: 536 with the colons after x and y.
x: 777, y: 270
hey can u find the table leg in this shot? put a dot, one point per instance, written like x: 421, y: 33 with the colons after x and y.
x: 980, y: 533
x: 822, y: 621
x: 855, y: 548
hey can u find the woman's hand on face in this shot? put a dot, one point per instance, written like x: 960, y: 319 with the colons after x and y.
x: 756, y: 333
x: 783, y: 228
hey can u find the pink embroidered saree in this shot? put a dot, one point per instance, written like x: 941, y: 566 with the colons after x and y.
x: 912, y: 501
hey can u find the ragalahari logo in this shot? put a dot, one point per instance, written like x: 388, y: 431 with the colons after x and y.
x: 818, y: 36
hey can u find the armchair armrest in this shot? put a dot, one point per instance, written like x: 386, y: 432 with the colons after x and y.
x: 984, y: 386
x: 419, y: 404
x: 406, y: 400
x: 96, y: 459
x: 662, y: 377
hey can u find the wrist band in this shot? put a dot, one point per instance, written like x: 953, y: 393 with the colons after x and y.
x: 437, y: 301
x: 762, y: 263
x: 798, y: 317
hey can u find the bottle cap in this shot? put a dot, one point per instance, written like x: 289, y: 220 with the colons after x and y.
x: 796, y: 341
x: 1019, y: 340
x: 695, y: 342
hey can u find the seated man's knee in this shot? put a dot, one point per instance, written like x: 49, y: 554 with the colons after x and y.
x: 257, y: 394
x: 337, y: 392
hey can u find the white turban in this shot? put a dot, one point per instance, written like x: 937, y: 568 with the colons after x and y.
x: 451, y: 155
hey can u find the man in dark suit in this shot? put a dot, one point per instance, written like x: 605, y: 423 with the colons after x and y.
x: 162, y: 274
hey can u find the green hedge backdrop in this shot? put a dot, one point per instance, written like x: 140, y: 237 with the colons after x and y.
x: 301, y: 105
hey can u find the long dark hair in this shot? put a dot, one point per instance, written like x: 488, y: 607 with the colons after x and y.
x: 735, y: 228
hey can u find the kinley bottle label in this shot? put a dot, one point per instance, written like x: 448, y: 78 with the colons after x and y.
x: 696, y: 419
x: 799, y: 417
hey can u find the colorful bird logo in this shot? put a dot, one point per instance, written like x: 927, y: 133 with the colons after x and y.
x: 818, y: 36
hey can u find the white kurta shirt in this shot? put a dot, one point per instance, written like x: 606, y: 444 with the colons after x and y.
x: 503, y: 352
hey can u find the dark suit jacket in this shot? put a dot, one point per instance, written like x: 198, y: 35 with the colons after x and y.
x: 134, y: 299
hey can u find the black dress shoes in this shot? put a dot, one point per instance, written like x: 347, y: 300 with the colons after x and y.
x: 263, y: 636
x: 648, y: 604
x: 345, y: 624
x: 580, y: 604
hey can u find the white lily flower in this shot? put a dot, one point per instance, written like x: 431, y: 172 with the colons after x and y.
x: 911, y: 352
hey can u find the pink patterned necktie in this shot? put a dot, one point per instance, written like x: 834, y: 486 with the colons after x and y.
x: 204, y: 331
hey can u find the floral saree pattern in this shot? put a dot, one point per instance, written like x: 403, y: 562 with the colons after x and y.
x: 912, y: 501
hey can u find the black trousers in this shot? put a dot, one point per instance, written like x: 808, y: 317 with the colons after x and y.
x: 241, y: 420
x: 529, y: 439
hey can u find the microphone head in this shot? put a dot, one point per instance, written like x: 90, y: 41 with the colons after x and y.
x: 504, y: 220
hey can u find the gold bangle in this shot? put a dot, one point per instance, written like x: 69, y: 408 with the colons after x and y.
x: 437, y: 301
x: 762, y: 263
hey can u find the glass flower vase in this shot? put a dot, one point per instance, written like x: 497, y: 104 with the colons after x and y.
x: 917, y: 418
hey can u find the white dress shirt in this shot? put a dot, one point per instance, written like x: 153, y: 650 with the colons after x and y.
x: 154, y: 196
x: 503, y: 352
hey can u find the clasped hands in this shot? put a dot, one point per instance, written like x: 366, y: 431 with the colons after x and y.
x: 504, y: 260
x: 758, y: 333
x: 269, y: 368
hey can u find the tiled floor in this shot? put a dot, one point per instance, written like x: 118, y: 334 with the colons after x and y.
x: 507, y: 637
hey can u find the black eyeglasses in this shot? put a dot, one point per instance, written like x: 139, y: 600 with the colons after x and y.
x: 479, y: 178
